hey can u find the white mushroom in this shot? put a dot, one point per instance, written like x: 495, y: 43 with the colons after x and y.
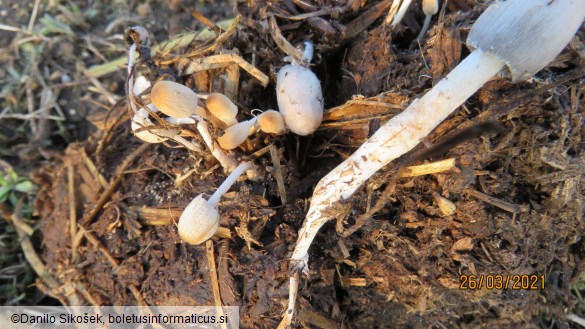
x: 140, y: 85
x: 430, y: 8
x: 299, y: 96
x: 200, y: 219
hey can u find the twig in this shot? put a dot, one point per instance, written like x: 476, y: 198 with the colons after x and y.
x: 219, y: 61
x: 227, y: 162
x: 360, y: 24
x: 33, y: 16
x: 507, y: 206
x: 72, y: 209
x: 429, y: 168
x: 165, y: 216
x: 210, y: 252
x: 216, y: 43
x: 93, y: 169
x: 278, y: 173
x: 5, y: 27
x: 283, y: 43
x: 293, y: 287
x: 577, y: 319
x: 111, y: 98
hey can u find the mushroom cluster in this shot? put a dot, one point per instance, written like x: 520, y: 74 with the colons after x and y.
x: 159, y: 110
x: 181, y: 105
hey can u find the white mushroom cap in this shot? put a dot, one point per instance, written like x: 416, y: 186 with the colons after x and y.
x: 300, y: 99
x: 516, y: 30
x: 199, y: 221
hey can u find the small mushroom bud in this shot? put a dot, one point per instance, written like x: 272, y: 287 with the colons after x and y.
x: 140, y: 120
x: 272, y: 122
x: 175, y: 100
x: 299, y: 96
x: 222, y: 108
x: 235, y: 135
x: 200, y: 219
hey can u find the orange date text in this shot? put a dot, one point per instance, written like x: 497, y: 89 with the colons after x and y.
x: 501, y: 282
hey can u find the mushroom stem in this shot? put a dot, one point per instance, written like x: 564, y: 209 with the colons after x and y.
x: 228, y: 182
x: 227, y: 162
x: 425, y: 27
x: 130, y: 87
x: 397, y: 12
x: 398, y: 136
x: 180, y: 121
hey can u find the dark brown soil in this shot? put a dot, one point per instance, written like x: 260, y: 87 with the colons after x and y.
x: 518, y: 193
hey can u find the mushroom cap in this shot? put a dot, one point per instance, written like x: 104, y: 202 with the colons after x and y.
x: 222, y: 108
x: 430, y: 7
x: 235, y: 135
x: 272, y: 122
x: 199, y: 221
x: 300, y: 99
x: 175, y: 99
x: 526, y: 34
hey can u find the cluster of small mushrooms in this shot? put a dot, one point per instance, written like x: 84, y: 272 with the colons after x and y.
x: 300, y: 102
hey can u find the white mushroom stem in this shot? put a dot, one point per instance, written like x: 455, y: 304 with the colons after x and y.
x: 228, y: 182
x: 396, y: 14
x: 227, y: 162
x: 180, y: 121
x: 131, y: 60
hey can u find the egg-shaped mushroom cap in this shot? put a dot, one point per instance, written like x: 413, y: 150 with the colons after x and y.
x: 199, y: 221
x: 300, y: 99
x: 272, y: 122
x: 175, y: 99
x: 222, y: 108
x: 430, y: 7
x: 526, y: 34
